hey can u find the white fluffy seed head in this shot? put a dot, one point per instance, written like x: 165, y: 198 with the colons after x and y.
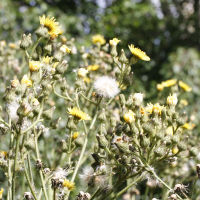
x: 60, y: 174
x: 12, y: 110
x: 87, y: 174
x: 106, y: 86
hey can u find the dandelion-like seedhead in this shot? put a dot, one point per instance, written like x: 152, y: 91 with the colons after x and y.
x: 106, y: 86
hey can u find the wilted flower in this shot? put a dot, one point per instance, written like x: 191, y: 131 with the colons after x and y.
x: 80, y: 115
x: 169, y: 82
x: 34, y: 66
x: 82, y: 72
x: 26, y: 80
x: 138, y: 53
x: 98, y: 39
x: 129, y: 117
x: 65, y: 49
x: 52, y: 26
x: 69, y: 185
x: 172, y: 99
x: 114, y: 42
x: 106, y: 86
x: 184, y: 86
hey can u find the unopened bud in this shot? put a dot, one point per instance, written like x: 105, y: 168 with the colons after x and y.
x: 48, y: 114
x: 61, y: 68
x: 47, y: 48
x: 182, y: 145
x: 122, y: 100
x: 55, y: 123
x: 103, y: 142
x: 26, y: 42
x: 30, y: 143
x: 70, y: 123
x: 41, y: 31
x: 113, y: 122
x: 144, y: 142
x: 102, y: 116
x: 113, y: 51
x: 194, y: 151
x: 123, y: 58
x: 128, y: 80
x: 160, y: 151
x: 122, y: 146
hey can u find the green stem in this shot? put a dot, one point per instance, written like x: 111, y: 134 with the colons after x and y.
x: 95, y: 194
x: 87, y: 98
x: 192, y: 191
x: 30, y: 171
x: 35, y: 45
x: 59, y: 95
x: 69, y: 149
x: 116, y: 161
x: 54, y: 194
x: 15, y: 165
x: 29, y: 182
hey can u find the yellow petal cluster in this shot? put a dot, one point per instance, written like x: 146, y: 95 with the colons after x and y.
x: 169, y: 83
x: 75, y: 135
x: 160, y: 87
x: 114, y: 42
x: 188, y: 126
x: 4, y: 154
x: 12, y: 45
x: 65, y: 49
x: 138, y: 53
x: 78, y: 114
x: 172, y: 100
x: 47, y: 59
x: 69, y: 185
x: 1, y: 192
x: 82, y: 72
x: 52, y: 26
x: 93, y: 67
x: 98, y: 39
x: 14, y: 83
x: 86, y: 80
x: 34, y: 66
x: 186, y: 87
x: 26, y: 80
x: 156, y: 108
x: 129, y: 117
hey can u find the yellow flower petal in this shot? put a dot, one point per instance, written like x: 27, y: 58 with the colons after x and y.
x: 186, y: 87
x: 98, y: 38
x: 78, y: 114
x: 169, y: 82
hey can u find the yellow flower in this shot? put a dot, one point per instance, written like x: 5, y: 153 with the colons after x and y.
x: 186, y: 87
x: 188, y: 126
x: 69, y: 185
x: 160, y: 87
x: 156, y: 108
x: 138, y: 53
x: 55, y: 64
x: 172, y: 100
x: 175, y: 150
x: 75, y: 135
x: 65, y: 49
x: 87, y: 80
x: 34, y: 66
x: 4, y: 154
x: 129, y: 117
x: 98, y: 38
x: 114, y: 42
x: 26, y: 80
x: 169, y: 82
x: 47, y: 59
x: 14, y: 83
x: 52, y: 26
x: 78, y: 114
x: 93, y: 67
x: 1, y: 192
x: 184, y: 102
x: 82, y: 72
x: 12, y: 45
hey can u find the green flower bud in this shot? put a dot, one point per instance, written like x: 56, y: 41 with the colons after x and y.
x: 129, y: 102
x: 167, y: 140
x: 9, y: 94
x: 39, y: 51
x: 122, y: 100
x: 126, y: 129
x: 113, y: 51
x: 41, y: 31
x: 64, y: 146
x: 133, y: 60
x: 181, y: 120
x: 102, y: 116
x: 47, y: 49
x: 182, y: 145
x: 169, y: 112
x: 127, y: 71
x: 160, y: 134
x: 26, y: 42
x: 119, y: 129
x: 123, y: 58
x: 194, y: 151
x: 113, y: 122
x: 148, y: 126
x: 159, y: 151
x: 64, y: 86
x: 104, y: 132
x: 169, y: 121
x: 98, y: 157
x: 137, y: 110
x: 128, y: 80
x: 144, y: 141
x: 48, y: 114
x: 124, y: 160
x: 36, y: 110
x: 175, y: 116
x: 58, y: 56
x: 102, y: 141
x: 122, y: 146
x: 145, y: 118
x: 30, y: 143
x: 117, y: 72
x: 163, y: 114
x: 47, y: 90
x: 134, y: 130
x: 56, y: 76
x: 176, y: 138
x: 80, y: 84
x: 20, y: 89
x: 55, y: 123
x: 70, y: 123
x: 79, y: 141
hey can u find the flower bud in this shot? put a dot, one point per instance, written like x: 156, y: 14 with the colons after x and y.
x: 194, y: 151
x: 113, y: 122
x: 181, y: 120
x: 128, y: 80
x: 75, y: 135
x: 9, y: 94
x: 123, y: 58
x: 182, y: 145
x: 122, y: 146
x: 127, y: 71
x: 58, y: 57
x: 134, y: 130
x: 30, y: 143
x: 148, y: 126
x: 102, y: 116
x: 41, y: 31
x: 119, y: 129
x: 64, y: 146
x: 47, y: 49
x: 122, y: 100
x: 126, y: 129
x: 48, y: 114
x: 163, y: 114
x: 144, y: 141
x: 80, y: 84
x: 61, y: 68
x: 167, y: 140
x: 55, y: 123
x: 102, y: 141
x: 129, y: 102
x: 133, y: 60
x: 39, y: 51
x: 176, y: 138
x: 79, y: 141
x: 113, y: 51
x: 47, y: 90
x: 98, y: 157
x: 26, y: 41
x: 160, y: 134
x: 64, y: 86
x: 159, y: 151
x: 70, y: 123
x: 145, y: 118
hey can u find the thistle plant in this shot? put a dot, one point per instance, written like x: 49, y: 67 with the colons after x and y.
x: 123, y: 141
